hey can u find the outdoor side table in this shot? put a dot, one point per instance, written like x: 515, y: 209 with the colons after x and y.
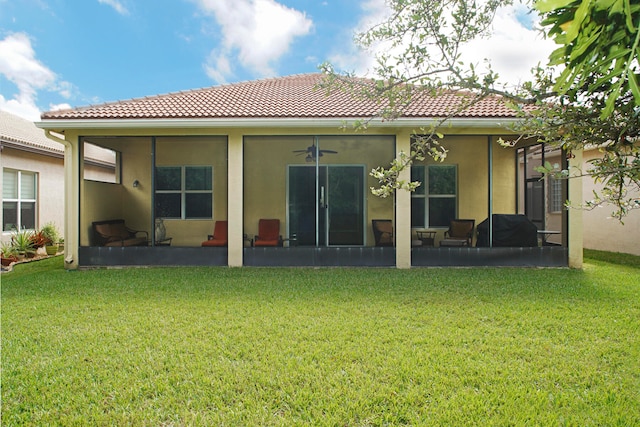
x: 427, y: 236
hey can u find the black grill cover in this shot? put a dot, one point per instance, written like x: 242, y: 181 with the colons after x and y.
x: 508, y: 231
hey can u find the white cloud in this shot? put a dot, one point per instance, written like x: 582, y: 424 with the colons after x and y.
x: 255, y: 33
x: 218, y: 67
x: 65, y: 89
x: 513, y: 48
x: 58, y: 107
x: 353, y: 58
x: 24, y: 108
x: 19, y: 65
x: 117, y: 5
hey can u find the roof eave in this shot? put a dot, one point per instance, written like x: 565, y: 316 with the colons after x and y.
x: 31, y: 148
x: 178, y: 123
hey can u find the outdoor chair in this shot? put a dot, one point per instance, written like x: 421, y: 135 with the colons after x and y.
x: 382, y: 232
x: 114, y: 232
x: 268, y: 233
x: 219, y: 236
x: 460, y: 233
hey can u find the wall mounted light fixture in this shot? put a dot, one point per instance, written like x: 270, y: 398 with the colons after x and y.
x: 136, y: 183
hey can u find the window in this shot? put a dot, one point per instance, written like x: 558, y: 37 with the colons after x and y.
x: 434, y: 202
x: 555, y: 194
x: 184, y: 192
x: 18, y: 200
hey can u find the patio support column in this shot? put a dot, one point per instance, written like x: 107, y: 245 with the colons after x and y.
x: 235, y: 199
x: 403, y: 207
x: 490, y: 186
x: 72, y: 174
x: 574, y: 232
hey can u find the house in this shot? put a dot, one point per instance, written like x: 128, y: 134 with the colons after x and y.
x: 602, y: 232
x: 33, y: 175
x: 276, y: 149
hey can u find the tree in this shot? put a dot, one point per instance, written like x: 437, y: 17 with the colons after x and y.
x: 594, y: 99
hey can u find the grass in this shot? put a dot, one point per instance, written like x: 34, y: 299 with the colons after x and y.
x: 357, y: 347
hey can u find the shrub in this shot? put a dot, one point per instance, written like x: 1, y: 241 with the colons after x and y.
x: 50, y: 232
x: 23, y: 241
x: 38, y: 240
x: 8, y: 250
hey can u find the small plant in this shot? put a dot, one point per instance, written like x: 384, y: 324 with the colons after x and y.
x: 22, y: 241
x: 50, y: 232
x: 38, y: 240
x: 9, y: 254
x: 8, y: 250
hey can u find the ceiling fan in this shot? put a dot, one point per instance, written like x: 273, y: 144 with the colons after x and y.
x: 312, y: 152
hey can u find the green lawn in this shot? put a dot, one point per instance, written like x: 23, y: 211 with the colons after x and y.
x: 355, y: 347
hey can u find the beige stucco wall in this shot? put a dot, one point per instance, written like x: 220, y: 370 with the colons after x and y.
x: 50, y: 204
x: 196, y: 151
x: 504, y: 179
x: 103, y: 201
x: 602, y: 232
x: 471, y: 155
x: 267, y: 159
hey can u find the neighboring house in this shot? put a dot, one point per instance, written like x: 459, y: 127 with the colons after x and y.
x: 33, y: 176
x: 602, y: 232
x: 276, y: 149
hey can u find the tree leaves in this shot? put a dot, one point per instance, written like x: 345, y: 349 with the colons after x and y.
x: 597, y: 38
x: 545, y: 6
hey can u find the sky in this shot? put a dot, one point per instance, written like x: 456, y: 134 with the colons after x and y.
x: 58, y: 54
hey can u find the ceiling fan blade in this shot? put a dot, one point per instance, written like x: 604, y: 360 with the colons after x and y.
x: 312, y: 151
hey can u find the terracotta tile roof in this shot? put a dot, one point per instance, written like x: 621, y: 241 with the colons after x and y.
x: 285, y: 97
x: 22, y: 132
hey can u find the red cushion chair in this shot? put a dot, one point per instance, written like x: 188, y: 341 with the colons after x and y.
x: 220, y: 235
x: 268, y: 233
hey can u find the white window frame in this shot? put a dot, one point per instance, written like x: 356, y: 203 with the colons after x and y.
x: 19, y: 200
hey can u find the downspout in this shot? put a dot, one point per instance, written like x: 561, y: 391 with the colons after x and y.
x: 68, y: 260
x: 51, y: 136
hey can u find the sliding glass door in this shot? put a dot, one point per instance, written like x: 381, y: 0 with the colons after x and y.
x: 326, y: 204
